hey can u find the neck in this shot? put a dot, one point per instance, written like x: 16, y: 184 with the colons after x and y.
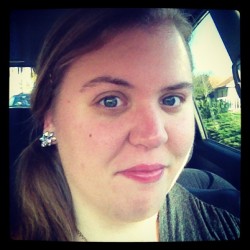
x: 142, y: 231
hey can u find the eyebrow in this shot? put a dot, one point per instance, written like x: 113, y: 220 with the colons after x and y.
x: 121, y: 82
x: 181, y: 85
x: 106, y: 79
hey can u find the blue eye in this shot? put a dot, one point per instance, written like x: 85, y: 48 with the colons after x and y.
x: 110, y: 101
x: 171, y: 101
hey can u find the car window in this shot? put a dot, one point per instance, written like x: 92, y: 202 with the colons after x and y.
x: 21, y: 82
x: 215, y: 95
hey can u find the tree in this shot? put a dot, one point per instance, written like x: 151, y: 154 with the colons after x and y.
x: 202, y: 86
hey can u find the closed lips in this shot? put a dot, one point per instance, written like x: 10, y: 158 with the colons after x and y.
x: 144, y: 173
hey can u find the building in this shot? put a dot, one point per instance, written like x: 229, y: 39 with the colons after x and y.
x: 225, y: 90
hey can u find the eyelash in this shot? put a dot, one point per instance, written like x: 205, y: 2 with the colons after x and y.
x: 113, y: 100
x: 116, y: 102
x: 171, y: 98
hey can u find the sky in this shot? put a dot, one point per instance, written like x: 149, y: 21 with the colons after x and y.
x: 209, y: 53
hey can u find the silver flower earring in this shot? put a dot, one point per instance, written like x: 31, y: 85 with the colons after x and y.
x: 47, y: 139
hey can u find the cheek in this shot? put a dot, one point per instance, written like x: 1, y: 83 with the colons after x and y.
x: 104, y: 137
x: 85, y: 133
x: 181, y: 135
x: 98, y: 138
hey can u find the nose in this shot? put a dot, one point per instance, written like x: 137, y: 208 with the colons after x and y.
x: 148, y: 129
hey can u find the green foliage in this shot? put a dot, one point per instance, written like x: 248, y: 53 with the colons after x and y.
x: 212, y: 108
x: 225, y: 129
x: 220, y: 124
x: 202, y: 86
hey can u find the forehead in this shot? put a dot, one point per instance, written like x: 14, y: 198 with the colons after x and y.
x: 154, y: 39
x: 137, y: 51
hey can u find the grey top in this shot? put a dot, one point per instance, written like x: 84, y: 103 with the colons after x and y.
x: 184, y: 217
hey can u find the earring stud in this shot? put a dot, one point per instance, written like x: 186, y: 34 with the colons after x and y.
x: 47, y: 139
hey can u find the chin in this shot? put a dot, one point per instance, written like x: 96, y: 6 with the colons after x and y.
x: 143, y: 208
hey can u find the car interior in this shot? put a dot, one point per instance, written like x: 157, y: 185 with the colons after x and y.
x: 213, y: 172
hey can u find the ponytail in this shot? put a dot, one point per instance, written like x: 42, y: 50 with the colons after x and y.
x: 43, y: 196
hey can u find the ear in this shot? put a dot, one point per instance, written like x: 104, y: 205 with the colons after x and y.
x: 48, y: 122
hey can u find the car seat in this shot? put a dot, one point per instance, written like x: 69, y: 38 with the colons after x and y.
x: 211, y: 189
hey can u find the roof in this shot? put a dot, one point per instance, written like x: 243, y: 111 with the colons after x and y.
x: 218, y: 82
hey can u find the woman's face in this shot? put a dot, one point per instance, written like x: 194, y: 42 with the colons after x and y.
x: 124, y: 123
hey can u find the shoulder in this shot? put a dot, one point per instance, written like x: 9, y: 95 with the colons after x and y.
x: 188, y: 218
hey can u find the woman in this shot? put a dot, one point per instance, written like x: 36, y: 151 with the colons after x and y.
x: 113, y: 98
